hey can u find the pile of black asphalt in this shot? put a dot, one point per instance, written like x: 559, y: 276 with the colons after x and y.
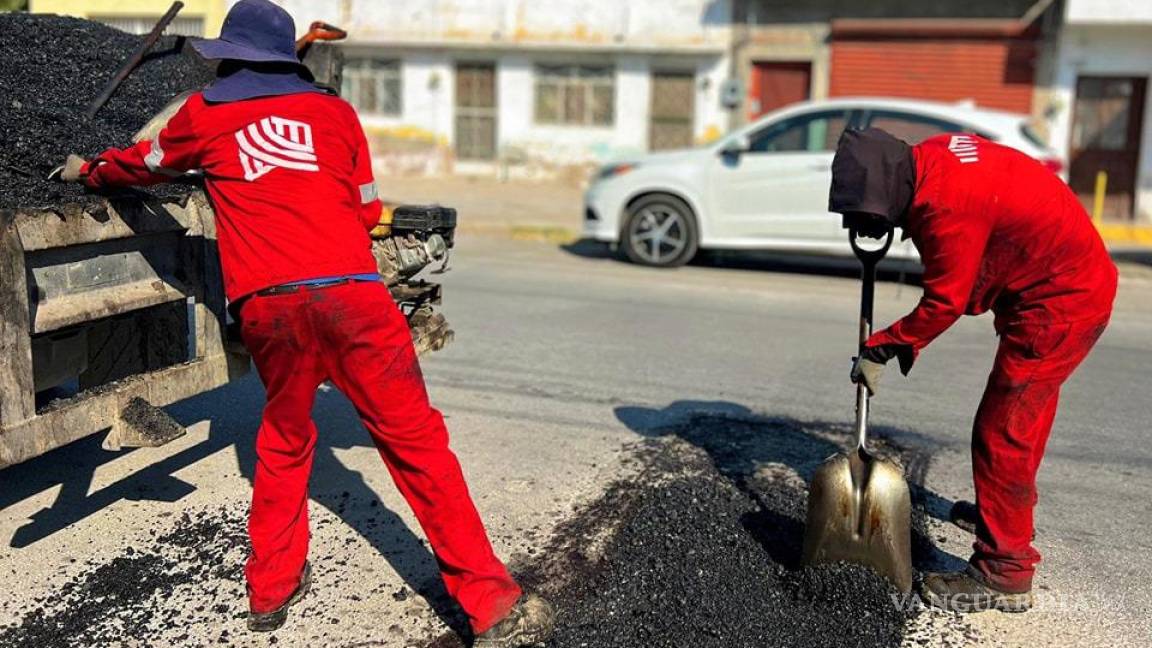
x: 52, y: 68
x: 701, y: 547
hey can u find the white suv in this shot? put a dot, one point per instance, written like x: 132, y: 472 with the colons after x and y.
x: 765, y: 186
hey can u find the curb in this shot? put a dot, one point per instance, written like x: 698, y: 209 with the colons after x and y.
x: 1125, y: 234
x: 523, y: 232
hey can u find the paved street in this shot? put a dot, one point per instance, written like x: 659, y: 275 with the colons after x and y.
x: 563, y: 358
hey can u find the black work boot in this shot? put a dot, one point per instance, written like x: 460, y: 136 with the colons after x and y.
x: 269, y: 621
x: 530, y: 622
x: 969, y: 591
x: 965, y: 515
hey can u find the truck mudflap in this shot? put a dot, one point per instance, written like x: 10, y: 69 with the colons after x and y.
x: 107, y: 311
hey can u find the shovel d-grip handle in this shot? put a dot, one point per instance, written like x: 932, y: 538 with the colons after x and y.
x: 868, y: 262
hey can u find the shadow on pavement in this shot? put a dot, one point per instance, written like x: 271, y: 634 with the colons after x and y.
x: 743, y: 445
x: 895, y: 270
x: 342, y: 491
x: 1141, y: 256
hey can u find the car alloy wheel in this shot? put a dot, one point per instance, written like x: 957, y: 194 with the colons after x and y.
x: 658, y: 235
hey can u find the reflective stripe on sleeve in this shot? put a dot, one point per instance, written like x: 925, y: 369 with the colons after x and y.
x: 155, y: 158
x: 368, y: 193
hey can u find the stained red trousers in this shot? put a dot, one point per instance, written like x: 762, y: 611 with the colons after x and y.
x: 1009, y: 436
x: 354, y: 336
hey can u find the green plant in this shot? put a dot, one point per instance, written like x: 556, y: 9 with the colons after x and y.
x: 13, y: 5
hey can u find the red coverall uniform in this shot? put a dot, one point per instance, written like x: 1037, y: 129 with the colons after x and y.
x: 291, y: 182
x: 997, y: 231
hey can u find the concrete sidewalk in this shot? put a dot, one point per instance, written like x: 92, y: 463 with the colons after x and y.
x: 521, y: 209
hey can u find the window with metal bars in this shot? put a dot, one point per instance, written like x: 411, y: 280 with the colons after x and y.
x: 374, y: 86
x: 575, y: 95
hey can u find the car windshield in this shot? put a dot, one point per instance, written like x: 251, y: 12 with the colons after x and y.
x: 1030, y: 133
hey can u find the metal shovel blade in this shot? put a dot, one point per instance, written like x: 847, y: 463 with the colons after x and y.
x: 860, y: 511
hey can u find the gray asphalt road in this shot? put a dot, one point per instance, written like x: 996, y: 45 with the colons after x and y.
x: 562, y: 359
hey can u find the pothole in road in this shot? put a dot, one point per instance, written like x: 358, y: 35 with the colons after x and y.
x: 701, y: 547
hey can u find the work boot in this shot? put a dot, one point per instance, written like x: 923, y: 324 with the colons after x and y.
x: 965, y: 515
x: 269, y: 621
x: 530, y: 622
x: 969, y: 591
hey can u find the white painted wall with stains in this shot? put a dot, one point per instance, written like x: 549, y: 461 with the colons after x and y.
x: 429, y: 38
x: 652, y: 23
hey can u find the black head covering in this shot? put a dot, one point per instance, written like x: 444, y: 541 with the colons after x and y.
x: 872, y: 173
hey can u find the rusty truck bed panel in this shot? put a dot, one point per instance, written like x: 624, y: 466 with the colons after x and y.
x: 123, y: 299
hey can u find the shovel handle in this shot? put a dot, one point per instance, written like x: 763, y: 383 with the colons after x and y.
x: 130, y: 65
x: 868, y: 261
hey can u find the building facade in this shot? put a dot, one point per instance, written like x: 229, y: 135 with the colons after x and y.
x: 547, y: 88
x: 529, y: 87
x: 985, y: 51
x: 1100, y: 113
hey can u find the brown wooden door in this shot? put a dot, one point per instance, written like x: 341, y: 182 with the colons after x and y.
x: 673, y: 110
x: 476, y: 111
x: 776, y: 84
x: 1106, y: 132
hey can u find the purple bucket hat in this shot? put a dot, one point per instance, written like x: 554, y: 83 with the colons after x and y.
x: 256, y: 31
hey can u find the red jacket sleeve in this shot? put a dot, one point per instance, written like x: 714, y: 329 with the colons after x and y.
x: 367, y: 195
x: 176, y: 150
x: 952, y: 249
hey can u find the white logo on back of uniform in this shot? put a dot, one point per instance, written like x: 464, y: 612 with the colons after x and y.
x: 964, y: 147
x: 275, y: 142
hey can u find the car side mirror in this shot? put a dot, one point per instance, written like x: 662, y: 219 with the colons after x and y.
x: 736, y: 146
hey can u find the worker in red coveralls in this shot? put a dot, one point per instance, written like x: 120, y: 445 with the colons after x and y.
x: 998, y: 231
x: 287, y: 167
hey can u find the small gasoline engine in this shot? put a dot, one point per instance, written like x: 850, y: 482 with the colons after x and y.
x: 417, y: 237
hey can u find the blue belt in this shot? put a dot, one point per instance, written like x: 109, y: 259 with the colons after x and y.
x: 314, y: 284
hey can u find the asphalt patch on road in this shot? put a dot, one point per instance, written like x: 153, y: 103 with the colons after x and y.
x: 189, y: 576
x: 701, y: 547
x: 54, y: 66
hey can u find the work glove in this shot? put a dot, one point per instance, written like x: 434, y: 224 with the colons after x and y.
x: 867, y: 225
x: 383, y: 227
x: 869, y: 366
x: 72, y: 170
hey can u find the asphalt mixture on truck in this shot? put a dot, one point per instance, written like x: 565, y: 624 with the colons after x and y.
x: 112, y: 306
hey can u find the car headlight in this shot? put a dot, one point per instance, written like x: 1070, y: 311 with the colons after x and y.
x: 613, y: 170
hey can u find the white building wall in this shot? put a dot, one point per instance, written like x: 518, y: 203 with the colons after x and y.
x: 635, y: 22
x: 1105, y: 50
x: 429, y: 37
x: 629, y: 133
x: 570, y: 144
x: 1107, y: 11
x: 428, y: 107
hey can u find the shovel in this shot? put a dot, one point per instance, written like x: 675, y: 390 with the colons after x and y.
x: 859, y: 508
